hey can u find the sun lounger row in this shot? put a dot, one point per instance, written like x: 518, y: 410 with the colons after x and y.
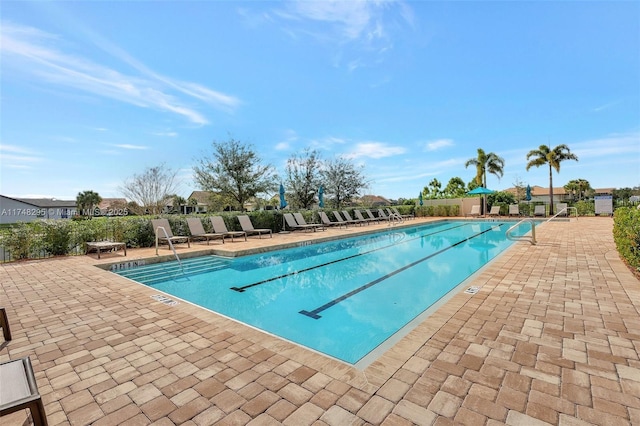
x: 162, y: 230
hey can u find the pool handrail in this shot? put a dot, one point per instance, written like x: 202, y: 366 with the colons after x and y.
x: 170, y: 245
x: 531, y: 239
x: 565, y: 210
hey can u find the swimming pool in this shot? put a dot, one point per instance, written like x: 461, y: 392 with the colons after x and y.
x: 343, y: 298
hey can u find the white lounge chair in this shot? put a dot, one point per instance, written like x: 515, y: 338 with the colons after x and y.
x: 540, y: 210
x: 514, y: 210
x: 495, y: 211
x: 475, y: 211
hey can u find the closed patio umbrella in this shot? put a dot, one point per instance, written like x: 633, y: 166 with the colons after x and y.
x: 321, y: 197
x: 283, y: 202
x: 420, y: 198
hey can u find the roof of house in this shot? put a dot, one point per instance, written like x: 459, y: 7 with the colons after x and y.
x: 202, y: 197
x: 44, y: 202
x: 373, y: 200
x: 110, y: 202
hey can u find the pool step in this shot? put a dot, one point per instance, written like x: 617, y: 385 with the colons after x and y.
x: 159, y: 272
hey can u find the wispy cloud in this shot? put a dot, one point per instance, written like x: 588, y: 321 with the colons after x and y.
x: 365, y: 26
x: 38, y: 54
x: 374, y: 150
x: 438, y: 144
x: 15, y: 157
x: 129, y: 146
x: 605, y: 106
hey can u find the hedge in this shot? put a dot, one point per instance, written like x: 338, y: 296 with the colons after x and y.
x: 626, y: 234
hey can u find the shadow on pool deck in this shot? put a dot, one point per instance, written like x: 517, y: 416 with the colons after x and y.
x: 552, y: 335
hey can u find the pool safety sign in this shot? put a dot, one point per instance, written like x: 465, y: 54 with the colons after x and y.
x: 604, y: 204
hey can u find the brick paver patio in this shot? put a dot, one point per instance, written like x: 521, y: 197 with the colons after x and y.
x: 551, y: 337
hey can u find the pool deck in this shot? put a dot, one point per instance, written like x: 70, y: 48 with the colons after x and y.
x: 551, y: 337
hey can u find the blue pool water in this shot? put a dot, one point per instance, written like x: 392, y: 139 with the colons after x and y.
x: 342, y: 298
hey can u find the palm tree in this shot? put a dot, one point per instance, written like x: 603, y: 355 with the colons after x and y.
x: 484, y: 163
x: 87, y: 201
x: 545, y: 155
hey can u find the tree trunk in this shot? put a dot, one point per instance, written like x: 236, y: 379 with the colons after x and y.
x: 550, y: 190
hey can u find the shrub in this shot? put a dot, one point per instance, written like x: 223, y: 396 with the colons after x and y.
x: 585, y: 208
x: 19, y: 241
x: 56, y: 237
x: 626, y: 234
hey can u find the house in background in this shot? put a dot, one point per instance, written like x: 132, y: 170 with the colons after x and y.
x: 198, y: 201
x: 13, y: 210
x: 374, y: 201
x: 540, y: 194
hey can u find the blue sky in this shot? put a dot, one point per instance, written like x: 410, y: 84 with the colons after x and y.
x: 93, y: 92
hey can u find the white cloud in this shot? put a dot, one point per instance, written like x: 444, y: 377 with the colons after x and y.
x: 35, y: 53
x: 374, y: 150
x: 129, y: 146
x: 438, y: 144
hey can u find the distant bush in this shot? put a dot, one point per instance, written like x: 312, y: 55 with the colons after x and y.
x: 440, y: 210
x: 626, y: 234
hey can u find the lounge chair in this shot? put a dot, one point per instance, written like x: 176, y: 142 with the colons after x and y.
x: 219, y: 227
x: 197, y: 230
x: 475, y: 211
x: 561, y: 209
x: 359, y: 216
x: 495, y: 211
x: 404, y: 216
x: 540, y: 210
x: 514, y: 210
x: 327, y: 222
x: 20, y: 390
x: 300, y: 219
x: 294, y: 225
x: 247, y: 226
x: 372, y: 216
x: 382, y: 214
x: 349, y: 219
x: 162, y: 230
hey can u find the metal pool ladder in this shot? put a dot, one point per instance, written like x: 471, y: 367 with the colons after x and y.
x: 531, y: 239
x: 393, y: 217
x: 170, y: 245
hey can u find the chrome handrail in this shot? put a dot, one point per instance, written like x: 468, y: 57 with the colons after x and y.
x: 531, y: 239
x: 566, y: 211
x: 395, y: 216
x: 170, y: 245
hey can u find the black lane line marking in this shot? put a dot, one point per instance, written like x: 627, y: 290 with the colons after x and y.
x: 314, y: 314
x: 244, y: 287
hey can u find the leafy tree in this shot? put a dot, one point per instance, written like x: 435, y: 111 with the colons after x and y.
x: 553, y: 157
x: 150, y: 189
x: 87, y: 201
x: 455, y: 188
x: 234, y: 172
x: 521, y: 189
x: 501, y: 197
x: 433, y: 190
x: 578, y: 188
x: 303, y: 178
x: 342, y: 181
x: 622, y: 195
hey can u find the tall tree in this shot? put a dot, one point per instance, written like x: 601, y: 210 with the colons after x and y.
x: 434, y: 189
x: 86, y: 202
x: 553, y: 157
x: 303, y: 178
x: 151, y: 189
x: 342, y: 181
x: 455, y: 188
x: 234, y: 171
x: 491, y: 163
